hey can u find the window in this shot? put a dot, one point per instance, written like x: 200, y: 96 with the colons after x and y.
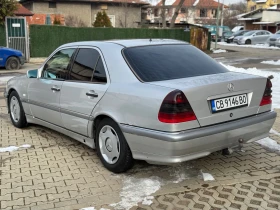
x: 253, y: 8
x: 259, y: 33
x: 99, y: 74
x: 183, y: 10
x: 58, y: 65
x: 166, y: 62
x: 203, y: 12
x: 88, y: 67
x: 52, y: 4
x: 214, y: 13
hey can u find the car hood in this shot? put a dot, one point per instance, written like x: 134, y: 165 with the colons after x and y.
x: 10, y: 50
x: 275, y: 36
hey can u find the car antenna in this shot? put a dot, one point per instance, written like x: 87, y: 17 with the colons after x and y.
x: 150, y: 39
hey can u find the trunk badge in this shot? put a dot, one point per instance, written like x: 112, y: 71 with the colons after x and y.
x: 230, y: 87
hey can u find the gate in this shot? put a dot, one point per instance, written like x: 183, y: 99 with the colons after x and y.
x: 17, y: 35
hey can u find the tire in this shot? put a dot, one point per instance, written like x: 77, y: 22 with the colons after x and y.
x: 248, y: 41
x: 17, y: 114
x: 112, y: 147
x: 12, y: 63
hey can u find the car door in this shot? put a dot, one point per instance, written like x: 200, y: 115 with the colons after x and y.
x: 257, y: 37
x: 266, y: 36
x: 87, y: 83
x: 44, y: 92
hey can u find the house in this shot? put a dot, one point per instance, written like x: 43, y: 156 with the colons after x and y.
x: 265, y: 19
x: 122, y: 13
x: 22, y: 11
x: 261, y: 4
x: 192, y: 11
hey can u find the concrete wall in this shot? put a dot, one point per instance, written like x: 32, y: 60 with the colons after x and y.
x: 81, y: 10
x: 271, y: 16
x: 118, y: 13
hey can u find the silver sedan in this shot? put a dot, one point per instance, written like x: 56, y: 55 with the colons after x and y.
x: 162, y: 101
x: 253, y: 37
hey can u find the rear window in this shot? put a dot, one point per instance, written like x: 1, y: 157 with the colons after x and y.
x: 166, y: 62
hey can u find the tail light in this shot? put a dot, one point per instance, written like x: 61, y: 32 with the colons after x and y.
x: 175, y: 108
x: 266, y: 99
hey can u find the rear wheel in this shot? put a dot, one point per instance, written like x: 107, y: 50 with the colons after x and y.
x: 248, y: 41
x: 112, y: 147
x: 17, y: 114
x: 12, y: 63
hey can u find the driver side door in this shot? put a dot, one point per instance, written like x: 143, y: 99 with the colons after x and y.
x: 44, y: 92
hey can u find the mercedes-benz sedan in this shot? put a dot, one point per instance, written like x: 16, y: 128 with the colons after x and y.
x: 162, y: 101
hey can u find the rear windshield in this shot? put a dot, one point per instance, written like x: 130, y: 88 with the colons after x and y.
x: 166, y: 62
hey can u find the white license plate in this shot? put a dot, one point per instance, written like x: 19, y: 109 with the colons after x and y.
x: 229, y: 102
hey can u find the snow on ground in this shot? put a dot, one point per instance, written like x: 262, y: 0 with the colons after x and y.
x: 3, y: 80
x: 218, y: 51
x: 275, y: 81
x: 13, y: 148
x: 137, y: 190
x: 88, y: 208
x: 272, y: 62
x: 207, y: 177
x: 274, y: 132
x: 263, y: 46
x: 269, y: 144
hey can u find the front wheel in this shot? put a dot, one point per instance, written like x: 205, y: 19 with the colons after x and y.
x: 12, y: 63
x: 17, y: 114
x: 248, y: 41
x: 112, y: 147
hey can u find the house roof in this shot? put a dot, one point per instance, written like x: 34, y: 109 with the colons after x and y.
x: 22, y: 11
x: 97, y: 1
x: 197, y: 3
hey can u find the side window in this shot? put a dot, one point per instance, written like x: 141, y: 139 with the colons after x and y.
x: 99, y: 74
x: 84, y: 65
x: 58, y: 65
x: 258, y: 33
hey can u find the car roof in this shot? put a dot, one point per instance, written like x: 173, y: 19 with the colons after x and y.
x: 127, y: 42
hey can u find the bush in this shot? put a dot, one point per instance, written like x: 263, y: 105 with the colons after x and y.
x: 102, y: 20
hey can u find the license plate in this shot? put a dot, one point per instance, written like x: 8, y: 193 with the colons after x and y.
x: 232, y: 102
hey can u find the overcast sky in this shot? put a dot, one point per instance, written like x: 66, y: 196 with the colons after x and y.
x: 230, y: 1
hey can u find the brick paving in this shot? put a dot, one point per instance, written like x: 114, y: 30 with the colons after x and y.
x: 58, y: 172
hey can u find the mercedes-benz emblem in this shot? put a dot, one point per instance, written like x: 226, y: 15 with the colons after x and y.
x: 230, y: 87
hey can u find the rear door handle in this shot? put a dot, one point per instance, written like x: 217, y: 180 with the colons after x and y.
x: 92, y: 94
x: 55, y: 89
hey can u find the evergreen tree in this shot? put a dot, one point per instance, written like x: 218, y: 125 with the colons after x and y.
x: 102, y: 20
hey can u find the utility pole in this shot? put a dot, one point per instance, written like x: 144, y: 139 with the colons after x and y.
x: 217, y: 25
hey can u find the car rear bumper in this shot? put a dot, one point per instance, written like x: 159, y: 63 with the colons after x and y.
x: 165, y: 147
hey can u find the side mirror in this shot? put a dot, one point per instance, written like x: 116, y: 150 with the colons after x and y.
x: 32, y: 73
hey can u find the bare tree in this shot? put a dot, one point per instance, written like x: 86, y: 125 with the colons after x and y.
x: 123, y: 20
x: 163, y: 14
x: 175, y: 15
x: 74, y: 21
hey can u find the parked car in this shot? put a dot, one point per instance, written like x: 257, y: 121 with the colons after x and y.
x: 226, y: 35
x: 11, y: 58
x: 212, y: 29
x: 237, y: 28
x: 274, y: 39
x: 162, y: 101
x: 238, y: 33
x: 253, y: 37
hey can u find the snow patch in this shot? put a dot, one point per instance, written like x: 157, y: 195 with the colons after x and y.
x: 269, y: 144
x: 4, y: 80
x: 207, y: 177
x: 272, y: 62
x: 136, y: 190
x: 13, y: 148
x: 88, y: 208
x: 274, y: 132
x: 148, y: 200
x: 262, y: 46
x: 275, y: 81
x: 219, y: 51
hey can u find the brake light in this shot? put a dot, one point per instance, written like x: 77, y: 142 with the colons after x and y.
x: 175, y: 108
x: 267, y: 94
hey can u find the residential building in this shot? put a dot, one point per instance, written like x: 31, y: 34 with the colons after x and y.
x: 22, y: 11
x: 122, y: 13
x: 261, y: 4
x: 192, y: 11
x: 265, y: 19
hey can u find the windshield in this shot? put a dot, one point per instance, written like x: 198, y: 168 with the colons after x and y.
x: 239, y: 33
x: 167, y: 62
x: 249, y: 33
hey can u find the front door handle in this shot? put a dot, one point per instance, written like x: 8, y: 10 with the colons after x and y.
x: 92, y: 94
x: 56, y: 89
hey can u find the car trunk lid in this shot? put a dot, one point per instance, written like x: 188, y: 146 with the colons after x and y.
x: 201, y: 90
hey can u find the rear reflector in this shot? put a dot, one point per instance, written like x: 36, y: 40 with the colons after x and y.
x: 175, y: 108
x: 266, y: 99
